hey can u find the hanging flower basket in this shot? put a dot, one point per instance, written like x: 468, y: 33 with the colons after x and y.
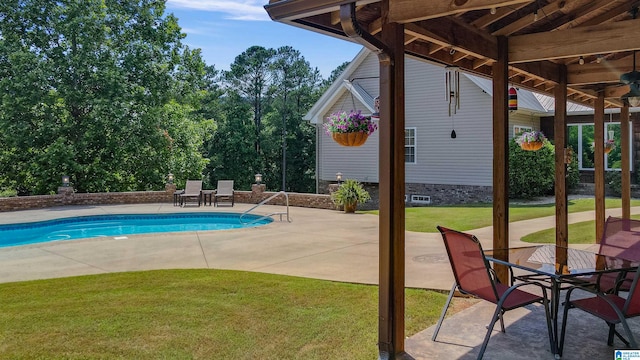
x: 532, y: 146
x: 350, y: 129
x: 531, y: 140
x: 609, y: 146
x: 350, y: 139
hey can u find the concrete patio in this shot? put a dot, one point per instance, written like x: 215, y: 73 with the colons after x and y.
x: 320, y: 244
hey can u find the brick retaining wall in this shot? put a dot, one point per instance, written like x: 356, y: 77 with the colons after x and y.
x: 66, y: 196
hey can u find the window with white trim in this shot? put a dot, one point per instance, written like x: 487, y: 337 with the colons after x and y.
x: 581, y: 139
x: 519, y: 129
x: 410, y: 145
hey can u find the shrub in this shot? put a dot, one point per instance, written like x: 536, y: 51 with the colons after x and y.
x: 614, y: 181
x: 573, y: 172
x: 531, y: 173
x: 8, y: 193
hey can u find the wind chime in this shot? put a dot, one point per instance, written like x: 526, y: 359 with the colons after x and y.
x: 452, y: 88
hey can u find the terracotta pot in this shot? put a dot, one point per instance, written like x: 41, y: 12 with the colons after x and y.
x: 350, y: 139
x: 350, y: 208
x: 531, y: 146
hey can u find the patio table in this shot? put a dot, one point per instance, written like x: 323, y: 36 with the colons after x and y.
x: 575, y: 268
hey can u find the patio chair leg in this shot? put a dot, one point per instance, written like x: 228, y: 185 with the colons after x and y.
x: 612, y: 331
x: 567, y: 306
x: 496, y: 315
x: 631, y: 342
x: 502, y: 321
x: 444, y: 311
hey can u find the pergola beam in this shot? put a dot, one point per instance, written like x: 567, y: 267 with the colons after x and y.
x: 406, y: 11
x: 449, y: 33
x: 594, y: 73
x: 581, y: 41
x: 527, y: 20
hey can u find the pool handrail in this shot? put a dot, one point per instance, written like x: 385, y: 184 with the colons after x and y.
x: 286, y: 197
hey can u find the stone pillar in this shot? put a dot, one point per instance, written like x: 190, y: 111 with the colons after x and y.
x: 332, y: 189
x: 170, y: 188
x: 257, y: 191
x: 65, y: 194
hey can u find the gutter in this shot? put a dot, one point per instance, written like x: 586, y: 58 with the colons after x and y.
x: 353, y: 30
x: 289, y: 10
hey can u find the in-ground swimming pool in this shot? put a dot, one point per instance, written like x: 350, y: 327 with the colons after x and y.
x: 120, y: 225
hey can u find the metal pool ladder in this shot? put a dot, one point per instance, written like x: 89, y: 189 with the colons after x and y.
x: 286, y: 197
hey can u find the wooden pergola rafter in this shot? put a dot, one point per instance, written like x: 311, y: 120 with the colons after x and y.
x: 573, y: 50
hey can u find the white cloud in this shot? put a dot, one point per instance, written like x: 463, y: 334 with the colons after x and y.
x: 236, y: 10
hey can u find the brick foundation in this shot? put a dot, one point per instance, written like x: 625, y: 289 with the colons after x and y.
x: 439, y: 194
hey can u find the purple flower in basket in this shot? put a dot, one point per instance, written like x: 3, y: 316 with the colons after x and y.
x: 530, y: 136
x: 354, y: 121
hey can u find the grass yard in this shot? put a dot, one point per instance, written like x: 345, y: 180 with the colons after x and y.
x: 467, y: 217
x: 579, y: 233
x: 198, y: 314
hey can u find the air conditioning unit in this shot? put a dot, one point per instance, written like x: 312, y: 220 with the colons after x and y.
x: 421, y: 199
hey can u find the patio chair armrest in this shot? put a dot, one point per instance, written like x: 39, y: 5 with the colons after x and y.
x: 622, y: 278
x: 524, y: 283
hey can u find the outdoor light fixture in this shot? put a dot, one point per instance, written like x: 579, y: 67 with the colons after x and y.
x: 258, y: 179
x: 581, y: 61
x: 170, y: 178
x: 633, y: 79
x: 339, y: 177
x: 65, y: 180
x: 633, y: 96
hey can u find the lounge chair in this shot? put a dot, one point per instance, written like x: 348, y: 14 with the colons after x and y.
x: 224, y: 192
x: 192, y: 190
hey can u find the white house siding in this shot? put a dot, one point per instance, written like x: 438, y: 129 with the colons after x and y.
x: 466, y: 160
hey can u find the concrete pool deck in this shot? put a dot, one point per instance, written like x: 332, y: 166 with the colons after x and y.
x: 321, y: 244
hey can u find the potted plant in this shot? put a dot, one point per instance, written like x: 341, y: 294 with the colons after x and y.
x: 349, y: 129
x: 531, y: 140
x: 349, y: 194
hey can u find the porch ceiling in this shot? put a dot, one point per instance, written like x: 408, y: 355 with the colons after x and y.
x: 542, y: 34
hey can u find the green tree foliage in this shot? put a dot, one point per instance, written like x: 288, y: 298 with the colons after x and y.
x: 293, y: 93
x: 102, y: 90
x: 267, y: 93
x: 334, y: 74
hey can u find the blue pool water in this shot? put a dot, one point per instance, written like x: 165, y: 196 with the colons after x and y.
x: 120, y: 225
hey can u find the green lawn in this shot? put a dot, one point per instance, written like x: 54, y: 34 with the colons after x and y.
x: 467, y: 217
x: 197, y: 314
x: 579, y: 233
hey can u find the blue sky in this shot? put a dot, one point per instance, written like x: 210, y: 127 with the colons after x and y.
x: 223, y: 29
